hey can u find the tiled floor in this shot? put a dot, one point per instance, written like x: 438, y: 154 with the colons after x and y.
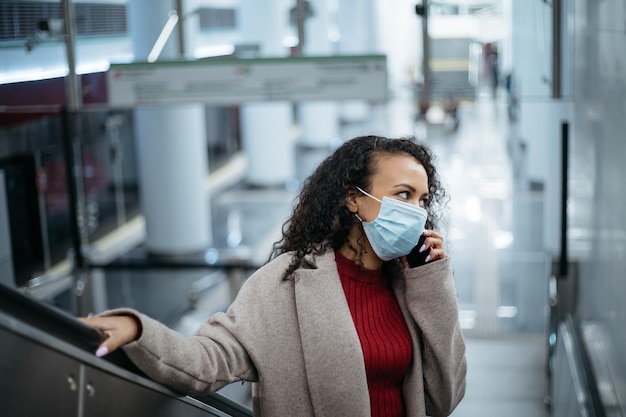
x: 506, y: 377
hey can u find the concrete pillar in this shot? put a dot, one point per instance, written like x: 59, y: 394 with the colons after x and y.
x: 267, y: 127
x: 172, y: 167
x: 318, y: 120
x: 357, y: 36
x: 270, y: 163
x: 172, y: 151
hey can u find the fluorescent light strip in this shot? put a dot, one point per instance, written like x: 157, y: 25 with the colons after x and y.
x: 163, y: 37
x: 54, y: 72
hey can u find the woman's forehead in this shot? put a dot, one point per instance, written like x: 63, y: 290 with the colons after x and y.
x: 398, y: 168
x: 386, y: 163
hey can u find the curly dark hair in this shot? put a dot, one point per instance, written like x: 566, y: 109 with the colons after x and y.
x: 320, y: 218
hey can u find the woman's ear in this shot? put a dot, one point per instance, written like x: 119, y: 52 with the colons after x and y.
x: 351, y: 200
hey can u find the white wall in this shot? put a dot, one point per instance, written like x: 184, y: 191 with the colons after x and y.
x: 540, y: 116
x: 532, y: 40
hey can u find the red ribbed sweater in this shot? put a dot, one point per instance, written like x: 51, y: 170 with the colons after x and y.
x: 385, y: 339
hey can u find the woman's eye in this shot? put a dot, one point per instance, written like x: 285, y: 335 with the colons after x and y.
x: 404, y: 195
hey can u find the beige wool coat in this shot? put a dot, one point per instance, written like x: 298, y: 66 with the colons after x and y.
x: 297, y: 342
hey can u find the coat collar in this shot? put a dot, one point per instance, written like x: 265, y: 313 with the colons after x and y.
x: 333, y: 357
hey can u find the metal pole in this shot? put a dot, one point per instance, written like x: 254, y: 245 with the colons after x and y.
x: 425, y: 96
x: 556, y: 48
x: 73, y: 89
x: 300, y: 10
x: 76, y: 213
x: 563, y: 261
x: 181, y: 29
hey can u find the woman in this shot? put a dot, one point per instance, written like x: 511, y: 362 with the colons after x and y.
x: 351, y: 317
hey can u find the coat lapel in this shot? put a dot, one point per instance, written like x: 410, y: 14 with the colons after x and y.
x: 332, y: 351
x: 413, y: 383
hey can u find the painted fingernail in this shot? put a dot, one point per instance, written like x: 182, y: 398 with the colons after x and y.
x: 423, y: 248
x: 102, y: 350
x: 427, y: 259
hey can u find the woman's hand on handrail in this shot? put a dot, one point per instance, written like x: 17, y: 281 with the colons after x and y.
x: 119, y: 330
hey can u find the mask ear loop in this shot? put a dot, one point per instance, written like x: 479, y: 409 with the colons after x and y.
x: 368, y: 194
x: 355, y: 213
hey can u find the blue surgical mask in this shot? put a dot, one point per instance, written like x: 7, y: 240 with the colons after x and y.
x: 397, y: 228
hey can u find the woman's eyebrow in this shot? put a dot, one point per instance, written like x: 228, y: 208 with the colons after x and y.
x: 402, y: 184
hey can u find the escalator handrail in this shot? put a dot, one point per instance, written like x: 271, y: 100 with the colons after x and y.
x: 63, y: 326
x: 225, y: 404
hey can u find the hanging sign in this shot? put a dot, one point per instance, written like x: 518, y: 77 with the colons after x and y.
x: 236, y: 81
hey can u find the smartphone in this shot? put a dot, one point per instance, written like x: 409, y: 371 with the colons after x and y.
x: 417, y: 258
